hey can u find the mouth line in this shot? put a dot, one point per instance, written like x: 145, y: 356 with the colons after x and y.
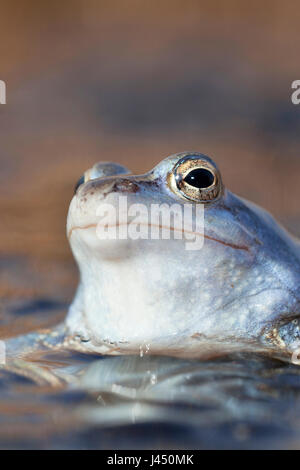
x: 173, y: 229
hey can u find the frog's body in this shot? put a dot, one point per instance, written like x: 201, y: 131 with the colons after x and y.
x: 240, y: 291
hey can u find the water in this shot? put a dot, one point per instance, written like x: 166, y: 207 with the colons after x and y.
x: 63, y: 400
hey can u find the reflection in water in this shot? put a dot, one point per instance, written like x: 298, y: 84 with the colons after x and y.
x: 69, y: 400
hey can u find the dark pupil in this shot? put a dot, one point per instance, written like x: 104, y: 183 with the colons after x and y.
x: 200, y: 178
x: 79, y: 183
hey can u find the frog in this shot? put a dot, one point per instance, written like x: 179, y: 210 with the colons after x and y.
x: 238, y: 290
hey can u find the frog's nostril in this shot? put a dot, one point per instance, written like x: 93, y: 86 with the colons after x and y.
x: 200, y: 178
x: 124, y: 185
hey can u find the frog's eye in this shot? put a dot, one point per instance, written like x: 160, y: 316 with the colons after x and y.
x: 79, y: 183
x: 200, y: 178
x: 197, y: 178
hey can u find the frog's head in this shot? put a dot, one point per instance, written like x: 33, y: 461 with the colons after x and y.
x: 236, y: 287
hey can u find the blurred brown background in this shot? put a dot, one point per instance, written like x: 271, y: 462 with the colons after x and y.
x: 135, y: 81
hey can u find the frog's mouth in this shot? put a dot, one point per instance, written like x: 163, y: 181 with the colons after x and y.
x: 171, y: 228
